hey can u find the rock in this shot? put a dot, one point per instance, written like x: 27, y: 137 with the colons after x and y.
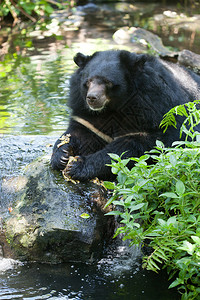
x: 89, y: 8
x: 189, y: 59
x: 152, y: 39
x: 146, y: 38
x: 46, y: 222
x: 122, y: 36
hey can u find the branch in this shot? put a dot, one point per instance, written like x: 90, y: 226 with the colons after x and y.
x: 12, y: 11
x: 22, y: 11
x: 53, y: 2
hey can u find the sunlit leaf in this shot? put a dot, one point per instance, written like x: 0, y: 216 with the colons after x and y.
x: 169, y: 194
x: 85, y: 216
x: 109, y: 185
x: 180, y: 188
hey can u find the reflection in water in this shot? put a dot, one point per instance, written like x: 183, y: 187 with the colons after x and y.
x: 8, y: 264
x: 79, y: 281
x: 33, y: 97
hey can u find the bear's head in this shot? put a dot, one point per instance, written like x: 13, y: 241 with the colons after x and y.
x: 105, y: 79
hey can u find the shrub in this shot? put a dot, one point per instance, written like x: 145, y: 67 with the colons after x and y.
x: 30, y: 9
x: 159, y: 204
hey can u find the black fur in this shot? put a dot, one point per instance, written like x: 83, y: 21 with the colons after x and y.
x: 143, y: 88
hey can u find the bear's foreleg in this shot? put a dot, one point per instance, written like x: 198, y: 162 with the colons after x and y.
x: 96, y: 164
x: 76, y: 141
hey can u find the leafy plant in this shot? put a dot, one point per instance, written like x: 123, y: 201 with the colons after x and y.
x: 30, y: 9
x: 192, y: 118
x: 159, y: 204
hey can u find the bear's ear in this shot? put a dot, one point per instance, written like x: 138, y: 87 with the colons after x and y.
x: 81, y: 59
x: 131, y: 60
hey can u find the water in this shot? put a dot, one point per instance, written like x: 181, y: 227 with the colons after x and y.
x: 33, y: 96
x: 34, y: 86
x: 106, y: 280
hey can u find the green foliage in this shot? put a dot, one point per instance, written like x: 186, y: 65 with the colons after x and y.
x: 29, y: 9
x: 159, y: 205
x: 192, y: 118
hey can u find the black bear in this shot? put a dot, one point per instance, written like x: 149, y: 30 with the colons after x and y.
x: 118, y: 100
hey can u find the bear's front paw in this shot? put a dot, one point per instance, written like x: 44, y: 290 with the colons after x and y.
x: 61, y: 156
x: 75, y: 169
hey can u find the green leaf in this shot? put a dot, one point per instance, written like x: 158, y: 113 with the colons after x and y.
x: 153, y: 234
x: 136, y: 225
x: 116, y: 202
x: 109, y: 185
x: 114, y: 170
x: 173, y: 160
x: 113, y: 213
x: 109, y: 202
x: 124, y: 162
x: 161, y: 254
x: 162, y: 222
x: 167, y: 249
x: 121, y: 177
x: 151, y: 265
x: 159, y: 144
x: 176, y: 282
x: 172, y: 220
x: 136, y: 207
x: 129, y: 199
x: 142, y: 182
x: 157, y: 258
x: 196, y: 239
x: 85, y: 216
x: 180, y: 188
x: 2, y: 74
x: 114, y: 156
x: 48, y: 9
x: 187, y: 246
x: 170, y: 195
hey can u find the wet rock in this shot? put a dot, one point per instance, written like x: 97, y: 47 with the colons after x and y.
x: 89, y: 8
x: 143, y: 37
x: 5, y: 249
x: 1, y: 252
x: 176, y: 21
x: 47, y: 223
x: 189, y: 59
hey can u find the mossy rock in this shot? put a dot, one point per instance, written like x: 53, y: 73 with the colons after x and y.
x: 47, y: 221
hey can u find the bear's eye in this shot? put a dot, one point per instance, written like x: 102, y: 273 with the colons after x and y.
x: 108, y: 84
x: 86, y: 83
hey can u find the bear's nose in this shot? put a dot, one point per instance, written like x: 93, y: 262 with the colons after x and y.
x: 91, y: 98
